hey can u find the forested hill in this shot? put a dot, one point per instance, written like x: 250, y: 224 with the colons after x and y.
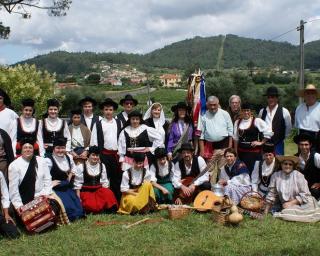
x: 207, y: 52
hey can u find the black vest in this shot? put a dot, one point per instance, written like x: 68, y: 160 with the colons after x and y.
x: 167, y: 177
x: 121, y: 118
x: 49, y: 136
x: 23, y: 134
x: 142, y: 140
x: 265, y: 180
x: 195, y: 170
x: 278, y: 125
x: 100, y: 136
x: 89, y: 180
x: 95, y: 119
x: 131, y: 186
x: 311, y: 172
x: 149, y: 122
x: 248, y: 135
x: 56, y: 172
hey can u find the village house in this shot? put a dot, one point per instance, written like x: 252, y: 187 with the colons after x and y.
x: 170, y: 80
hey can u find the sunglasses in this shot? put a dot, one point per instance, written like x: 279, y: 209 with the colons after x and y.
x: 128, y: 103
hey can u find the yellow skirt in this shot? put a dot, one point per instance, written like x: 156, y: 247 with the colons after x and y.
x: 133, y: 204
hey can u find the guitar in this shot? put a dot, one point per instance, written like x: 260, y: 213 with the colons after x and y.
x: 206, y: 200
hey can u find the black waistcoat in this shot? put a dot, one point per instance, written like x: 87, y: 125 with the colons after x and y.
x: 142, y: 140
x: 310, y: 171
x: 95, y: 119
x: 22, y: 134
x: 49, y: 136
x: 131, y: 186
x: 100, y: 136
x: 248, y: 135
x: 278, y: 125
x: 90, y: 180
x: 195, y: 170
x: 56, y: 172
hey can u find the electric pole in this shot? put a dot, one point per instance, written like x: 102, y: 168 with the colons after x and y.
x: 301, y: 73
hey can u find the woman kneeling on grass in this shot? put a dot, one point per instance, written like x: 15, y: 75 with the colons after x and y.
x: 161, y: 174
x: 91, y: 179
x: 291, y: 188
x: 137, y: 191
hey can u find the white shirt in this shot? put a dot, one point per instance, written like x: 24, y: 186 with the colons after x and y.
x: 266, y: 171
x: 88, y: 120
x: 93, y: 170
x: 308, y: 117
x: 55, y: 125
x: 110, y: 136
x: 63, y: 164
x: 176, y: 180
x: 242, y: 179
x: 270, y: 116
x: 16, y: 172
x: 7, y: 117
x: 136, y: 178
x: 5, y: 201
x: 159, y: 127
x: 302, y: 163
x: 163, y: 171
x: 76, y: 137
x: 245, y: 124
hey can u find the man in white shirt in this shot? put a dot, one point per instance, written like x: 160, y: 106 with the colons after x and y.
x: 307, y: 116
x: 277, y: 118
x: 88, y: 118
x: 7, y: 116
x: 105, y: 135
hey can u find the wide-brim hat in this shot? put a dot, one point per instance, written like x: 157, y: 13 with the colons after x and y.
x: 303, y: 137
x: 272, y: 91
x: 268, y: 148
x: 87, y: 99
x: 309, y: 87
x: 186, y: 146
x: 182, y: 105
x: 246, y: 105
x: 6, y: 98
x: 293, y: 159
x: 160, y: 153
x: 60, y: 141
x: 128, y: 97
x: 108, y: 102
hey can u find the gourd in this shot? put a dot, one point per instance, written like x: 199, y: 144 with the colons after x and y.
x: 235, y: 217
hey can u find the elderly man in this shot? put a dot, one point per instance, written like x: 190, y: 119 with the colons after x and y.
x: 277, y: 118
x: 307, y: 116
x: 216, y: 134
x: 128, y: 103
x: 234, y: 107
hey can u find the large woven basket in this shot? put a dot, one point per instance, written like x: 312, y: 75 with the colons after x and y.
x: 220, y: 217
x: 176, y: 212
x: 252, y: 201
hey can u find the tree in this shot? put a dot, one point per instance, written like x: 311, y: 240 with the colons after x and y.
x: 250, y: 66
x: 22, y: 7
x: 25, y: 81
x: 93, y: 78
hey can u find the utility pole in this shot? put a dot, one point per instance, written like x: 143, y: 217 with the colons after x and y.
x: 301, y: 73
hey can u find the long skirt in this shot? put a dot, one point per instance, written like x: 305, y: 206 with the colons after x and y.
x: 164, y: 199
x: 70, y: 201
x: 236, y: 192
x: 249, y: 158
x: 96, y: 199
x: 143, y: 202
x: 62, y: 217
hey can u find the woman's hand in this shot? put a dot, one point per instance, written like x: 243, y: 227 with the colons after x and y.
x: 256, y: 143
x: 290, y: 203
x: 55, y: 183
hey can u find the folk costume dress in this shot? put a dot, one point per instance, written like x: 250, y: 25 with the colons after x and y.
x: 95, y: 194
x: 136, y: 140
x: 60, y: 168
x: 162, y: 174
x: 238, y: 180
x: 144, y: 201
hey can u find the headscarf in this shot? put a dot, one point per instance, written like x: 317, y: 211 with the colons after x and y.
x: 148, y: 114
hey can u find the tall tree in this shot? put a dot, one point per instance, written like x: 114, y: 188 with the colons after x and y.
x: 23, y: 7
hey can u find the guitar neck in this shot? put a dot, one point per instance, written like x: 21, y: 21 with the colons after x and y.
x: 208, y: 167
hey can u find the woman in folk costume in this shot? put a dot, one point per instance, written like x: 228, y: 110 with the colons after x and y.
x: 137, y: 191
x: 234, y: 176
x: 161, y: 174
x: 92, y: 185
x: 26, y: 126
x: 63, y: 170
x: 29, y: 178
x: 80, y: 137
x: 250, y: 133
x: 137, y: 137
x: 291, y: 189
x: 52, y: 127
x: 264, y: 169
x: 180, y: 129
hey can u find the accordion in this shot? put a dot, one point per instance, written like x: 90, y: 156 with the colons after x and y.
x: 37, y: 215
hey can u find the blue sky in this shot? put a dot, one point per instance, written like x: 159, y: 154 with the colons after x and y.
x: 141, y: 26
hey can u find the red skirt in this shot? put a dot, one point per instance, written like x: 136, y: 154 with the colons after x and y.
x: 96, y: 199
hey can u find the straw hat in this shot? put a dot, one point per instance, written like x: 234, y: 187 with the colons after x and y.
x: 293, y: 159
x: 309, y: 87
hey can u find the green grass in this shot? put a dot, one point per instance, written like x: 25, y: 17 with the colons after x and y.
x: 195, y: 235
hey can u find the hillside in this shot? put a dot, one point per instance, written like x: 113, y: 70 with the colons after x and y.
x: 234, y: 52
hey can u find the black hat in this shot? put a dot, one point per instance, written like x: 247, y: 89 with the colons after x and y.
x: 75, y: 112
x: 303, y: 137
x: 53, y: 103
x: 272, y: 91
x: 246, y: 105
x: 6, y: 98
x: 186, y: 146
x: 268, y: 148
x: 180, y: 104
x: 87, y: 99
x: 138, y: 157
x: 128, y: 97
x: 94, y: 150
x: 27, y: 102
x: 60, y: 141
x: 108, y: 102
x: 160, y: 153
x: 135, y: 113
x: 27, y: 140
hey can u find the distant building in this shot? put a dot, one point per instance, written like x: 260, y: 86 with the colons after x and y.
x: 170, y: 80
x: 66, y: 85
x: 111, y: 81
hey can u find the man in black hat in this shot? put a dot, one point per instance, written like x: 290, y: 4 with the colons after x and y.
x: 309, y: 162
x: 88, y: 118
x: 105, y: 135
x: 7, y: 116
x: 128, y: 103
x: 277, y: 118
x: 185, y: 175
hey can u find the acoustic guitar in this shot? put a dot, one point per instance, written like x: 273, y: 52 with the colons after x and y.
x: 206, y: 200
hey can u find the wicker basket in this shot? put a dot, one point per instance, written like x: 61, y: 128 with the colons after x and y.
x: 220, y: 217
x: 178, y: 212
x: 252, y: 201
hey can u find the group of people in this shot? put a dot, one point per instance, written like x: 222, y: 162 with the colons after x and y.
x: 130, y: 162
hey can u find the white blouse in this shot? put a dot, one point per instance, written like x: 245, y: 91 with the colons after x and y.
x: 163, y: 171
x: 242, y: 179
x: 16, y: 172
x: 266, y: 171
x: 93, y: 170
x: 63, y: 164
x: 5, y: 199
x: 136, y: 178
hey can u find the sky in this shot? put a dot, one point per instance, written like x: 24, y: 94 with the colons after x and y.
x: 140, y: 26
